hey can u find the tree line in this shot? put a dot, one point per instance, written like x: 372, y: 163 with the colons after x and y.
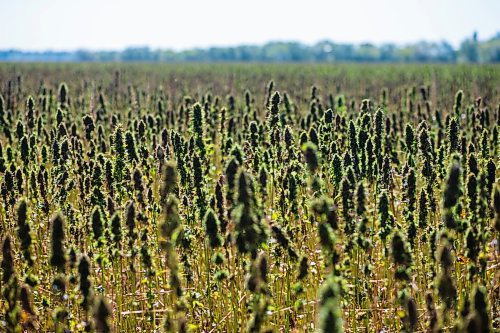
x: 471, y: 50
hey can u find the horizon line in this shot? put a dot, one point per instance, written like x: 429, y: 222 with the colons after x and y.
x: 220, y: 46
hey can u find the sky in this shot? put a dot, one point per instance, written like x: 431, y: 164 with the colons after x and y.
x: 38, y: 25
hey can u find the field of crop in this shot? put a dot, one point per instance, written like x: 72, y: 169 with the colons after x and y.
x: 249, y: 198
